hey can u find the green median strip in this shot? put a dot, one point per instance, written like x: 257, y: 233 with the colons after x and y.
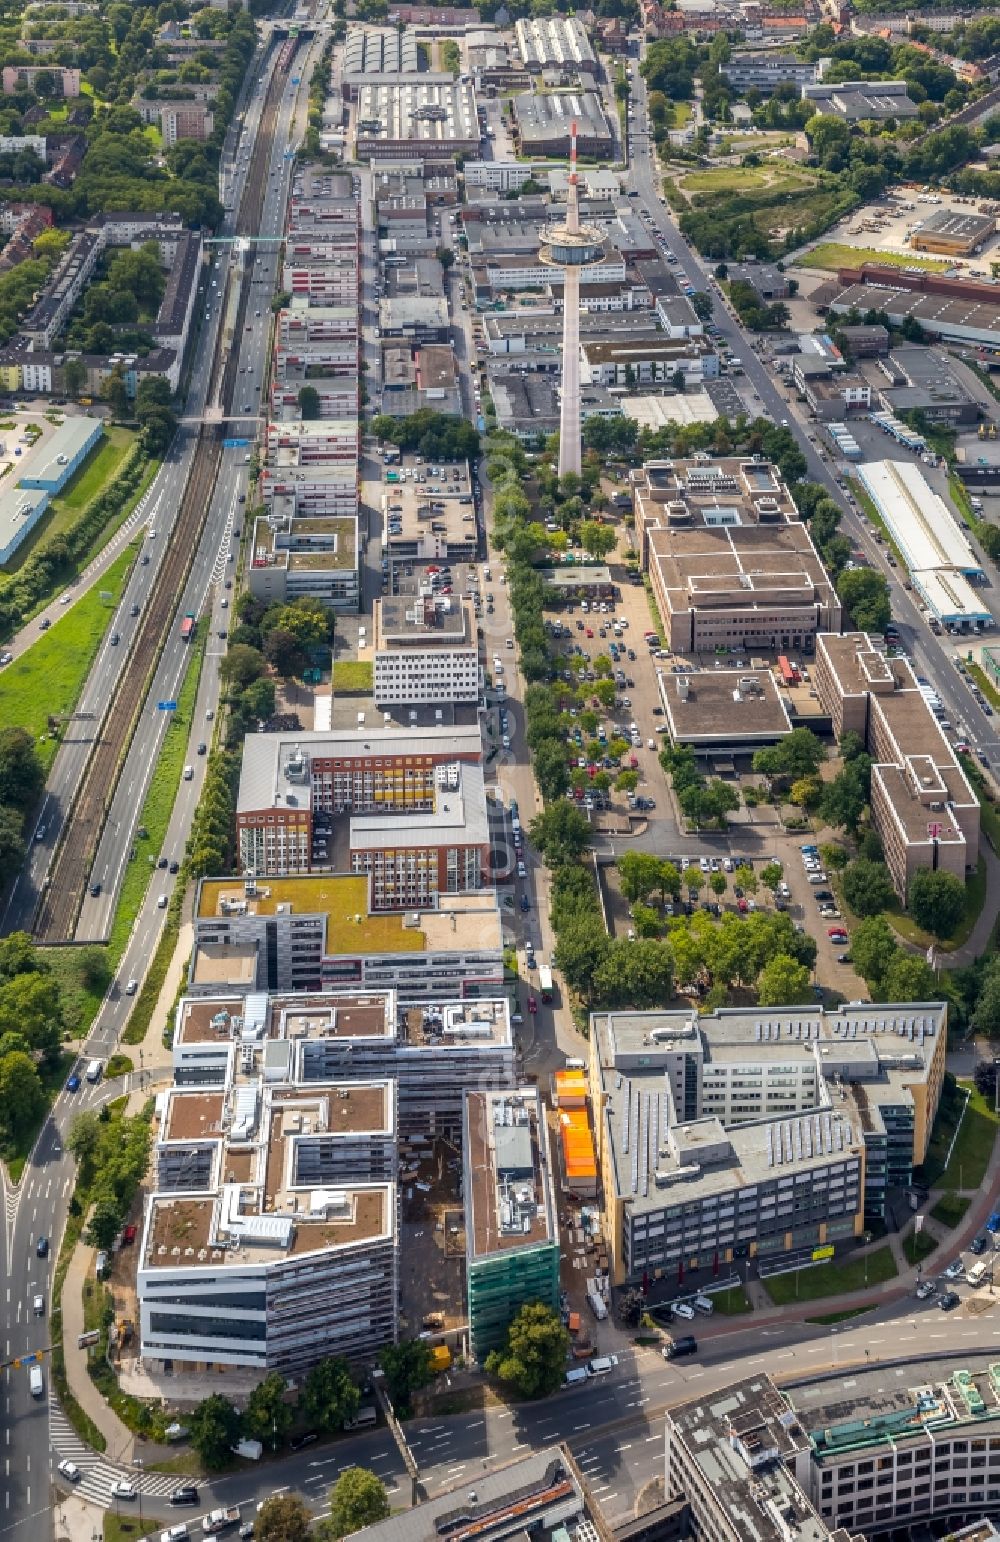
x: 836, y: 1278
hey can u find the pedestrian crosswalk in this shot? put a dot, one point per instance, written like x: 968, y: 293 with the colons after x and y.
x: 99, y: 1475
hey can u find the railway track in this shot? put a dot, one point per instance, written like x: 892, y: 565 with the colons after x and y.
x: 62, y: 895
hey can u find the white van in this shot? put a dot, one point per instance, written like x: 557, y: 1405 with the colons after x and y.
x: 601, y: 1366
x: 681, y: 1309
x: 35, y: 1381
x: 704, y: 1304
x: 575, y: 1376
x: 978, y: 1273
x: 94, y: 1071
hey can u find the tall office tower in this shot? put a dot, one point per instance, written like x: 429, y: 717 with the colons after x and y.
x: 571, y: 246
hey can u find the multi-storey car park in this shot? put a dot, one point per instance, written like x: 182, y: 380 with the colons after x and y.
x: 744, y: 1133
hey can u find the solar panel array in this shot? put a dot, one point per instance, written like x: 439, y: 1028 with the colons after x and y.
x: 808, y: 1136
x: 915, y: 1029
x: 644, y: 1129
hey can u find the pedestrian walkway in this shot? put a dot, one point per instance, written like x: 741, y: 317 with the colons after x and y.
x: 120, y: 1440
x: 152, y: 1054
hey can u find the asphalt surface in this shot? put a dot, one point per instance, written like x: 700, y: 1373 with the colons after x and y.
x: 38, y: 1206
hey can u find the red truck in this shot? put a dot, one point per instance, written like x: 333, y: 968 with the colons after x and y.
x: 187, y: 628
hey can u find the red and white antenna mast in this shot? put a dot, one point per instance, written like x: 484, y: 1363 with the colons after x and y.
x: 572, y: 196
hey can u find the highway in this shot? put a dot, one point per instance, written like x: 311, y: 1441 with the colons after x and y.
x: 40, y: 1201
x: 932, y: 656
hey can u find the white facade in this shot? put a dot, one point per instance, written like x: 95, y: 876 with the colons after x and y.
x: 427, y: 676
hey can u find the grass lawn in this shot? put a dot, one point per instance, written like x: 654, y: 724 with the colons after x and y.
x: 353, y: 677
x: 831, y: 255
x: 831, y: 1279
x: 49, y: 677
x: 918, y: 1245
x: 126, y: 1528
x: 93, y: 476
x: 772, y: 178
x: 985, y: 684
x: 975, y: 898
x: 160, y: 798
x: 950, y: 1209
x: 81, y: 992
x: 730, y: 1303
x: 973, y: 1147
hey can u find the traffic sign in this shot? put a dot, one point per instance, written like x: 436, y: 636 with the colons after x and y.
x: 234, y: 444
x: 26, y: 1360
x: 166, y: 706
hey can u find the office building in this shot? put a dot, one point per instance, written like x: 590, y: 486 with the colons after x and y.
x: 724, y: 711
x: 271, y: 1239
x: 925, y: 380
x: 746, y: 1133
x: 731, y: 564
x: 511, y: 1225
x: 924, y: 810
x: 306, y: 556
x: 764, y: 71
x: 415, y: 858
x: 854, y: 101
x: 311, y: 933
x: 432, y: 1051
x: 431, y: 522
x: 426, y: 652
x: 741, y: 1461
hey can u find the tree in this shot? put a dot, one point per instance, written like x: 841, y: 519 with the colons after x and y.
x: 267, y: 1416
x: 105, y: 1224
x: 909, y: 978
x: 693, y: 879
x: 783, y: 983
x: 845, y: 799
x: 645, y: 920
x: 21, y: 773
x: 407, y: 1368
x: 865, y: 593
x: 84, y: 1137
x: 597, y: 540
x: 309, y: 403
x: 551, y: 771
x: 283, y: 652
x: 561, y: 833
x: 936, y: 901
x: 639, y: 872
x: 533, y: 1359
x: 718, y: 883
x: 986, y: 1012
x: 282, y: 1518
x: 873, y: 948
x: 114, y: 391
x: 22, y: 1096
x: 637, y: 974
x: 868, y: 887
x: 581, y: 947
x: 329, y: 1396
x: 74, y: 375
x: 215, y: 1427
x: 241, y: 665
x: 771, y: 875
x: 745, y: 878
x: 357, y: 1499
x: 631, y: 1306
x: 799, y: 754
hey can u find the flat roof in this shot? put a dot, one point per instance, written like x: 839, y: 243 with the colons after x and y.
x: 972, y: 228
x: 544, y: 114
x: 73, y: 435
x: 229, y: 963
x: 947, y: 315
x: 726, y: 1435
x: 749, y: 566
x: 461, y: 921
x: 509, y: 1199
x: 18, y: 505
x: 458, y: 818
x: 430, y: 621
x: 420, y: 111
x: 277, y: 768
x: 722, y: 706
x: 194, y: 1231
x: 919, y: 521
x: 844, y: 1420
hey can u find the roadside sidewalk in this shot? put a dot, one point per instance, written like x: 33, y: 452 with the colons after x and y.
x: 121, y: 1441
x: 151, y: 1053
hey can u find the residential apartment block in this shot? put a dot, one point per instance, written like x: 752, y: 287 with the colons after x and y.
x: 731, y: 564
x: 313, y: 933
x: 741, y: 1134
x: 426, y: 651
x: 312, y: 555
x: 923, y: 807
x: 512, y: 1229
x: 432, y: 1051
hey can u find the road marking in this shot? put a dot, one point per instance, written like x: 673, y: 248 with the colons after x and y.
x: 652, y: 1437
x: 578, y: 1427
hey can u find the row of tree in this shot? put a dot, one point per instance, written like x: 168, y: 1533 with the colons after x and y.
x: 434, y: 435
x: 112, y: 1153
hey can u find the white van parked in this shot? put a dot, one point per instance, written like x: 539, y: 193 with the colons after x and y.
x: 705, y: 1305
x: 575, y: 1376
x: 681, y: 1309
x: 600, y: 1366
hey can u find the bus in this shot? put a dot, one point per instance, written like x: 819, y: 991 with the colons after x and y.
x: 545, y: 982
x: 187, y: 628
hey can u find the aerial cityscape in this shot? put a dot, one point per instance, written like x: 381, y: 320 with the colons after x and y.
x: 499, y: 770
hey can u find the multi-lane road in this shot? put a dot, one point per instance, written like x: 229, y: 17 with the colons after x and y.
x: 39, y: 1203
